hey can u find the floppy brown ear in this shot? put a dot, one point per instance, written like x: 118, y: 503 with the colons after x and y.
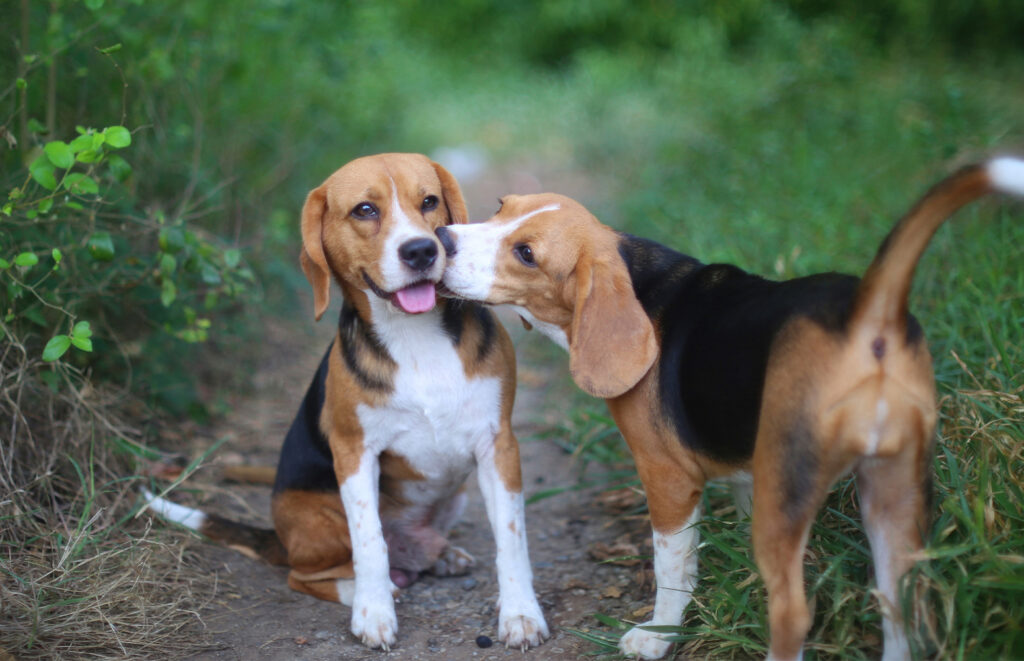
x: 613, y: 343
x: 453, y: 200
x: 313, y: 260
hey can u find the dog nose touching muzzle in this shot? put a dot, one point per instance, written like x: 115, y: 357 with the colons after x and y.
x: 447, y: 240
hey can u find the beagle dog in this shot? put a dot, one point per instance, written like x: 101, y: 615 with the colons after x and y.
x: 710, y: 371
x: 413, y: 395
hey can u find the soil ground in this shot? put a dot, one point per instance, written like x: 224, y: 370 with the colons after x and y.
x: 254, y: 615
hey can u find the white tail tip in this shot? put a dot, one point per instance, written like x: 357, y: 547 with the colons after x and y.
x: 173, y: 512
x: 1007, y: 175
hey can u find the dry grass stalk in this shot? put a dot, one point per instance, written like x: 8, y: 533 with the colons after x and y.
x: 78, y: 579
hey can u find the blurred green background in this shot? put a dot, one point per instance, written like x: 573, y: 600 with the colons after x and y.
x: 783, y: 135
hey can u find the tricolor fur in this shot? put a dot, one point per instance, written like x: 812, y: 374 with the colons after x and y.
x: 710, y: 371
x: 411, y: 397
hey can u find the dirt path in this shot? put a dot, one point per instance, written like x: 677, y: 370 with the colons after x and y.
x: 256, y: 616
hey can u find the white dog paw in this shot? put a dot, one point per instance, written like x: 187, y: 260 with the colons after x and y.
x: 374, y: 623
x: 522, y: 631
x: 638, y: 643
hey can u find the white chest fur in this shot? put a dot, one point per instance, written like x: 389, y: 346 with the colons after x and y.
x: 436, y: 417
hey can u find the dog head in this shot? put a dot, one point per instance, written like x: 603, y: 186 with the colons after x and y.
x: 371, y: 224
x: 559, y: 267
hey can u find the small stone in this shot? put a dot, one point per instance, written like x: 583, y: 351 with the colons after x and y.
x: 323, y: 634
x: 484, y: 642
x: 469, y: 584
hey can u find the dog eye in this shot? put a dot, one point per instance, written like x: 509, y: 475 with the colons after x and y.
x: 524, y: 253
x: 429, y: 203
x: 365, y: 211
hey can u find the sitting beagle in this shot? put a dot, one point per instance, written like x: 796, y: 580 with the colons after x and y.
x: 413, y: 394
x: 710, y: 371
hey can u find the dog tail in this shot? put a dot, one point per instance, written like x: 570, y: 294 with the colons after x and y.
x: 249, y: 540
x: 881, y: 301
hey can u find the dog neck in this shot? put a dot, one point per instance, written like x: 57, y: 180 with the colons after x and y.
x: 655, y: 271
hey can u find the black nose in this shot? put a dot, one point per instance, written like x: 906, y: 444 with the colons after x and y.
x: 418, y: 254
x: 445, y: 237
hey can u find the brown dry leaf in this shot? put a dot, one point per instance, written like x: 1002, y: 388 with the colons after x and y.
x: 621, y: 552
x: 611, y: 592
x: 621, y: 500
x: 576, y: 583
x: 643, y: 611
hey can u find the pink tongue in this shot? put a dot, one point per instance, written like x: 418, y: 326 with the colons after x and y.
x: 417, y: 298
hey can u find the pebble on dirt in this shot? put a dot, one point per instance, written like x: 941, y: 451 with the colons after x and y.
x: 483, y: 641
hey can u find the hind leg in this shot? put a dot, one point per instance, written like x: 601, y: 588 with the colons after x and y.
x: 313, y: 529
x: 780, y: 537
x: 792, y: 475
x: 894, y: 494
x: 453, y: 560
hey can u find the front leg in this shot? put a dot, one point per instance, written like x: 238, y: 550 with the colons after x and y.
x: 373, y: 605
x: 520, y: 621
x: 673, y: 497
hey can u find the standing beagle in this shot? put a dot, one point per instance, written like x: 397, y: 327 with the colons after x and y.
x: 412, y: 395
x: 710, y: 371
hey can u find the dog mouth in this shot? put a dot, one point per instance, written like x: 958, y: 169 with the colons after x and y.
x: 444, y: 292
x: 416, y: 298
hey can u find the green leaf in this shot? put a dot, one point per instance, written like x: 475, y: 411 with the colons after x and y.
x: 45, y: 205
x: 60, y: 154
x: 80, y: 184
x: 82, y: 330
x: 42, y: 172
x: 109, y: 49
x: 56, y: 348
x: 83, y: 343
x: 89, y: 156
x: 171, y: 239
x: 36, y: 126
x: 168, y: 292
x: 117, y: 136
x: 26, y: 259
x: 119, y: 167
x: 101, y: 246
x: 81, y: 143
x: 35, y: 316
x: 21, y: 83
x: 4, y: 264
x: 57, y: 256
x: 209, y: 274
x: 232, y: 257
x: 167, y: 264
x: 95, y: 5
